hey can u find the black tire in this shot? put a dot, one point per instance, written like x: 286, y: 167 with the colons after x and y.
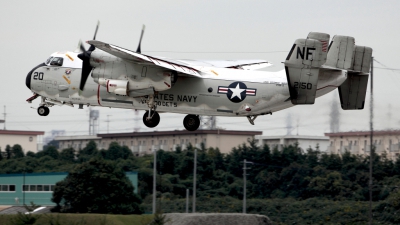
x: 43, y: 111
x: 191, y: 122
x: 153, y: 122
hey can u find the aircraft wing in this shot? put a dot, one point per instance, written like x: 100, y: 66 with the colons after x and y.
x: 145, y: 59
x: 246, y: 64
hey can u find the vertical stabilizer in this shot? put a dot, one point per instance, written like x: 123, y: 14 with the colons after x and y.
x: 302, y: 70
x: 340, y: 52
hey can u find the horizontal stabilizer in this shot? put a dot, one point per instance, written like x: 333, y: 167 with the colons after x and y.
x: 302, y: 69
x: 352, y: 92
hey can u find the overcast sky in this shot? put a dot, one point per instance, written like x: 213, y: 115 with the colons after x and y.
x: 32, y: 30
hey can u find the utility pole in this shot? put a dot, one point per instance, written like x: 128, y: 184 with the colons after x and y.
x: 108, y: 123
x: 187, y: 200
x: 4, y: 117
x: 154, y: 181
x: 244, y: 183
x: 194, y: 180
x: 371, y: 124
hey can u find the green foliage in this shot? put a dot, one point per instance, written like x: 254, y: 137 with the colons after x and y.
x: 67, y: 155
x: 17, y: 151
x: 50, y: 151
x: 8, y: 152
x: 87, y: 152
x: 96, y: 186
x: 22, y: 219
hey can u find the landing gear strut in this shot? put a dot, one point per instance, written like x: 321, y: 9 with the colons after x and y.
x: 191, y: 122
x: 43, y: 111
x: 151, y: 119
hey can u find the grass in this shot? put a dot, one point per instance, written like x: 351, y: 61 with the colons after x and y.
x: 81, y: 219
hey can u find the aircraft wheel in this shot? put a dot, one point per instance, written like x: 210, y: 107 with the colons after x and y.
x: 191, y: 122
x: 43, y: 111
x: 153, y: 122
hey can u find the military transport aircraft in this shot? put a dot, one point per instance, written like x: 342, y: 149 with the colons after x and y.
x: 123, y: 78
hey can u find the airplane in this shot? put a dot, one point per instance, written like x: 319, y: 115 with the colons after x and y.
x: 122, y: 78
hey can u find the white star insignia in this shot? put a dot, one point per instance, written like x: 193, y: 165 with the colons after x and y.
x: 236, y: 92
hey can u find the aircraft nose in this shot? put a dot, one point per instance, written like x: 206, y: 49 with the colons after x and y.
x: 28, y: 79
x: 29, y: 76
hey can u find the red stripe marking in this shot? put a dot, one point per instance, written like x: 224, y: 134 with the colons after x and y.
x: 107, y: 85
x: 98, y: 95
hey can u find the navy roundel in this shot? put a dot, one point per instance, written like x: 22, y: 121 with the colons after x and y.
x: 236, y: 91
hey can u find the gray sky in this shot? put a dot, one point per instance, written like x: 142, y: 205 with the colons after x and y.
x: 32, y: 30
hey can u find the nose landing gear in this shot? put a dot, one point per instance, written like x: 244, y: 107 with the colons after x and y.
x: 43, y: 111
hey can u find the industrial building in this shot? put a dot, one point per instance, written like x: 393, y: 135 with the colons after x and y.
x: 358, y: 142
x: 304, y: 142
x: 144, y: 142
x: 20, y: 189
x: 29, y: 140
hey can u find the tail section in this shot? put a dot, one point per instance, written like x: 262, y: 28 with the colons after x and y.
x: 302, y: 69
x: 310, y: 57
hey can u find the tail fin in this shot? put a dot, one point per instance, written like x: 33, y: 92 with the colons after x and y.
x: 352, y: 92
x: 340, y: 53
x: 302, y: 68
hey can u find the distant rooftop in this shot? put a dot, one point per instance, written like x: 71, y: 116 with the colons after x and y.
x: 305, y: 137
x: 21, y: 132
x: 363, y: 133
x: 180, y: 132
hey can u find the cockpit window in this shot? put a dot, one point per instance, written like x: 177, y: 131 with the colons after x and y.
x: 57, y: 61
x: 49, y: 60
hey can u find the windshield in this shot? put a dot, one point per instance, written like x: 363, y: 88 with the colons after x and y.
x: 48, y: 60
x: 57, y: 61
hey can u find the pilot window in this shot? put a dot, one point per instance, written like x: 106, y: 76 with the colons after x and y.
x: 57, y: 61
x: 49, y: 60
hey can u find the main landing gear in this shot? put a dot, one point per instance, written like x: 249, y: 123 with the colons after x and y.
x: 191, y: 122
x: 151, y: 118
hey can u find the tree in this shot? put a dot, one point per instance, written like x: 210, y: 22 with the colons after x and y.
x: 88, y: 152
x: 17, y: 151
x: 1, y: 155
x: 96, y: 186
x: 115, y: 151
x: 8, y: 151
x: 49, y: 151
x: 68, y: 155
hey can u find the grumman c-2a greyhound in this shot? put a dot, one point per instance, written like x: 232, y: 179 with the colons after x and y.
x: 122, y: 78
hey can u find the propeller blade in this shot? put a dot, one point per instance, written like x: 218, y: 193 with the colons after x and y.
x: 86, y: 68
x: 82, y: 48
x: 138, y: 50
x: 85, y: 57
x: 97, y: 28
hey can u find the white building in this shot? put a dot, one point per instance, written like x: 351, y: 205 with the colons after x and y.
x: 29, y: 140
x: 304, y: 142
x: 359, y: 142
x: 144, y: 142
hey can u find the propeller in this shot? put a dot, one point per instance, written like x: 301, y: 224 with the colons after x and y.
x: 138, y: 50
x: 85, y: 57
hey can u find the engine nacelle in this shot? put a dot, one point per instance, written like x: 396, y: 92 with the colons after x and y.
x: 119, y: 87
